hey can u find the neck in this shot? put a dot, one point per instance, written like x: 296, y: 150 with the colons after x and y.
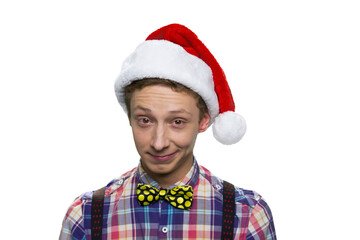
x: 168, y: 179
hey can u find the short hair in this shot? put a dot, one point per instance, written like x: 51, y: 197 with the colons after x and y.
x: 177, y: 87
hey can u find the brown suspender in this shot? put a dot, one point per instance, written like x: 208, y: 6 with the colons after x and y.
x: 97, y: 206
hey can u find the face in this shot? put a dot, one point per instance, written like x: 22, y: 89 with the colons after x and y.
x: 165, y: 125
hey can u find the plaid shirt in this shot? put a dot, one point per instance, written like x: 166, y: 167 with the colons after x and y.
x: 123, y: 218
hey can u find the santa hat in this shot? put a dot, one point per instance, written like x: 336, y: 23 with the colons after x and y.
x: 175, y: 53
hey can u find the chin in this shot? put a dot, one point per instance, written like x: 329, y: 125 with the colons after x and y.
x: 170, y: 166
x: 158, y: 170
x: 162, y: 168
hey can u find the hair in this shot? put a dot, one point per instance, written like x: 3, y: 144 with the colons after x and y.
x: 177, y: 87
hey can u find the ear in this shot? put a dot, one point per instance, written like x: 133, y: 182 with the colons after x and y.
x: 204, y: 123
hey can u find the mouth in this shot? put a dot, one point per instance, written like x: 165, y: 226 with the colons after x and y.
x: 163, y: 157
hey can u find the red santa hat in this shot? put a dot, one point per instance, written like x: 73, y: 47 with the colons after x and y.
x: 175, y: 53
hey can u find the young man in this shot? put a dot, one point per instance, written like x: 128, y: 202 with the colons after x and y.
x: 172, y: 88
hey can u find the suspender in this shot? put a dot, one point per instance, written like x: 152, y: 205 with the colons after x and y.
x: 97, y: 205
x: 228, y: 211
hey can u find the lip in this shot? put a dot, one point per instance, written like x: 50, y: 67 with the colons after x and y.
x: 164, y: 157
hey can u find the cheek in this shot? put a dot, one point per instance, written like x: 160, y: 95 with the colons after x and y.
x: 184, y: 138
x: 140, y: 138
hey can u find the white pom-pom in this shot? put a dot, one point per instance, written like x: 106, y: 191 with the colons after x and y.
x: 229, y: 127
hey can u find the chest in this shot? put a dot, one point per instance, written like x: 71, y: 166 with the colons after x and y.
x: 124, y: 218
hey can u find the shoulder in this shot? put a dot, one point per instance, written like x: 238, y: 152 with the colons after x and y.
x: 242, y: 196
x: 73, y: 223
x: 113, y: 186
x: 250, y: 208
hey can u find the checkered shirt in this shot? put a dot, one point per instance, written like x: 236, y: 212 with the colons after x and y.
x: 124, y: 218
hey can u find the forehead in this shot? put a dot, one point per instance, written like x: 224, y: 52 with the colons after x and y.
x: 162, y: 98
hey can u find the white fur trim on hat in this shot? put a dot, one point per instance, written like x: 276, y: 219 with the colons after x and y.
x: 229, y: 127
x: 166, y: 60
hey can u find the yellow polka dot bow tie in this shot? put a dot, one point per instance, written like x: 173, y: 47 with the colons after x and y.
x: 179, y: 197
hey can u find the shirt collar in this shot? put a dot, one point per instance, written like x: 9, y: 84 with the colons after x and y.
x: 191, y: 178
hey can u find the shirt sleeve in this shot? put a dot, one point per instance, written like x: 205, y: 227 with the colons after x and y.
x: 261, y: 225
x: 73, y: 223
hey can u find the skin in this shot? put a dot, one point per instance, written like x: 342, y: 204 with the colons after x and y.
x: 165, y: 125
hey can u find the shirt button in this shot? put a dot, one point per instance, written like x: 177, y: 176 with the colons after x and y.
x: 121, y: 181
x: 164, y: 229
x: 218, y: 187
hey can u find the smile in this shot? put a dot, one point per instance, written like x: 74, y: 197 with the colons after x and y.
x: 163, y: 158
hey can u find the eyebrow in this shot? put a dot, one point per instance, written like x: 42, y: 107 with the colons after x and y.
x: 180, y: 111
x: 142, y: 108
x: 147, y: 110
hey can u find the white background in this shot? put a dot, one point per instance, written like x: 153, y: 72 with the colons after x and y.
x: 293, y: 67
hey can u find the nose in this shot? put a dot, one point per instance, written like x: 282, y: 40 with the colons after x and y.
x: 160, y: 139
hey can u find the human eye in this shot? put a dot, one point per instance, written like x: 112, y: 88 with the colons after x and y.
x: 178, y: 123
x: 143, y: 121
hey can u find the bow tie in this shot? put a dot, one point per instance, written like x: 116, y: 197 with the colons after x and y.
x: 179, y: 197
